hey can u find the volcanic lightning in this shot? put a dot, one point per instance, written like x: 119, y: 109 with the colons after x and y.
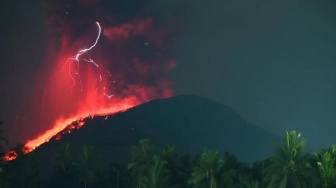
x: 103, y: 92
x: 68, y: 123
x: 77, y: 59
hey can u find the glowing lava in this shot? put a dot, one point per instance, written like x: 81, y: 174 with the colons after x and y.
x: 66, y: 125
x: 92, y: 104
x: 62, y: 124
x: 133, y: 79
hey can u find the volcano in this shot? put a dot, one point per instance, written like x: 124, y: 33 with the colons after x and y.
x: 190, y: 123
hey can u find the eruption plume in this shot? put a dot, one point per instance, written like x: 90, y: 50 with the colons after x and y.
x: 76, y: 59
x: 69, y: 90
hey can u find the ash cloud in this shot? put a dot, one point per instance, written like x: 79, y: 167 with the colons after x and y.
x: 130, y: 68
x: 127, y: 27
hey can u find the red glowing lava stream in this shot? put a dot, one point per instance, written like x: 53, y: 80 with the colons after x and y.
x: 62, y: 124
x: 94, y: 104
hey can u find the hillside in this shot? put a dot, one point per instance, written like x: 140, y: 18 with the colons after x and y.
x: 188, y: 122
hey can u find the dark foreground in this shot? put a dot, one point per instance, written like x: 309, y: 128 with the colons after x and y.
x: 73, y: 167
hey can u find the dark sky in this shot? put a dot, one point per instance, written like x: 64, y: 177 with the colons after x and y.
x: 273, y: 62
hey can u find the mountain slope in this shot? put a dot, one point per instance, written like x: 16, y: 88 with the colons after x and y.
x: 188, y: 122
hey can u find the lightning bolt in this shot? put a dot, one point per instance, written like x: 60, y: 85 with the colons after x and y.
x: 77, y: 58
x: 108, y: 96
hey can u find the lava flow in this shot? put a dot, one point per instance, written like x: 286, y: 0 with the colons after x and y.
x: 62, y: 124
x: 67, y: 124
x: 82, y: 87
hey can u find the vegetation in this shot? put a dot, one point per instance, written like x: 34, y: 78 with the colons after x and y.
x: 2, y: 138
x: 288, y: 167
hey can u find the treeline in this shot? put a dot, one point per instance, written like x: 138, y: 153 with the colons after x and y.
x: 288, y: 167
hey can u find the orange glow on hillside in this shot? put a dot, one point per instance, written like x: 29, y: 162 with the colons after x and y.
x: 62, y: 124
x: 99, y: 73
x: 9, y: 156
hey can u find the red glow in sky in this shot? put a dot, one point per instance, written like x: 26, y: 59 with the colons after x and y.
x: 110, y: 76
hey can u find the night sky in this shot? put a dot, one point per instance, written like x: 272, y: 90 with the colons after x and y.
x: 273, y: 62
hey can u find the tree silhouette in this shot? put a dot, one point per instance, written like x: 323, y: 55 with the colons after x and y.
x: 158, y: 173
x: 288, y: 167
x: 206, y: 169
x: 324, y: 166
x: 2, y: 138
x: 118, y: 176
x: 235, y: 173
x: 179, y: 166
x: 2, y: 152
x: 86, y: 165
x: 24, y: 172
x: 64, y: 159
x: 141, y: 156
x: 258, y: 171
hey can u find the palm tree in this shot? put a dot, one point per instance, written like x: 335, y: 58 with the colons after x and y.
x: 2, y: 166
x: 24, y: 172
x: 235, y: 173
x: 65, y: 169
x: 246, y: 181
x: 64, y: 159
x: 86, y: 165
x: 331, y: 150
x: 289, y: 166
x: 179, y: 166
x: 141, y: 156
x: 169, y: 152
x: 258, y: 171
x: 207, y: 169
x: 2, y: 138
x: 118, y: 176
x: 327, y: 170
x: 157, y: 173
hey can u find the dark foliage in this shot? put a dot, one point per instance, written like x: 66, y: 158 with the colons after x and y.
x: 148, y: 168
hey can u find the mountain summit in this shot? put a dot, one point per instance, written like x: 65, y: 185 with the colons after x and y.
x: 190, y: 123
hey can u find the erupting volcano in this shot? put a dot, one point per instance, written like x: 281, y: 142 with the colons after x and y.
x: 122, y: 66
x: 95, y: 104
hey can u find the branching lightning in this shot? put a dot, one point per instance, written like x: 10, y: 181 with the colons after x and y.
x: 102, y: 94
x: 76, y: 59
